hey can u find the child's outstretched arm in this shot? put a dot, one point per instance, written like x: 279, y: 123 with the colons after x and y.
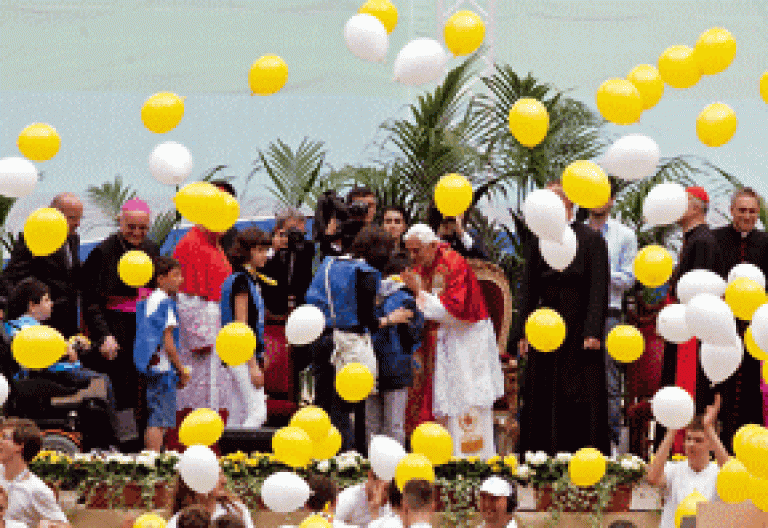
x: 710, y: 417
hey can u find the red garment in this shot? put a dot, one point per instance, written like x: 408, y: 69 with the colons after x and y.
x: 461, y: 293
x: 203, y: 264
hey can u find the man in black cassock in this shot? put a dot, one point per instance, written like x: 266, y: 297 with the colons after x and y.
x: 681, y: 364
x: 109, y: 305
x: 59, y: 270
x: 564, y: 395
x: 739, y: 243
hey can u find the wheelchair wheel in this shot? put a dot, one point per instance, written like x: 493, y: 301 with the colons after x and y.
x: 59, y: 442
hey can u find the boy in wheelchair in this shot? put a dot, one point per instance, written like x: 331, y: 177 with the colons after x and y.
x: 34, y: 393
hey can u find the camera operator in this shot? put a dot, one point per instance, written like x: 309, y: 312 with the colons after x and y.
x: 451, y: 230
x: 337, y: 222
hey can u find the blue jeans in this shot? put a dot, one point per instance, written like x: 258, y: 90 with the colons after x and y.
x: 613, y: 386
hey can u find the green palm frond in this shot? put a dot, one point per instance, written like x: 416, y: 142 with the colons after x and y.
x: 295, y: 175
x: 109, y: 197
x: 162, y: 226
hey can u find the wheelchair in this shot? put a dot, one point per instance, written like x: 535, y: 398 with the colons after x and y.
x: 74, y: 417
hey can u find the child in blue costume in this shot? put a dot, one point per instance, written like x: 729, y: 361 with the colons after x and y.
x: 30, y: 304
x: 394, y: 345
x: 155, y: 350
x: 242, y: 301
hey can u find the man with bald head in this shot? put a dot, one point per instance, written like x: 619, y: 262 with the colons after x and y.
x: 565, y: 397
x: 109, y: 305
x: 59, y: 270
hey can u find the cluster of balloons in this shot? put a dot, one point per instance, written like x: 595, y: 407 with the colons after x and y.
x: 421, y: 60
x: 205, y: 204
x: 746, y: 476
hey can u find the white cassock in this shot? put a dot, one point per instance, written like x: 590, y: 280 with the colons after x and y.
x: 468, y: 378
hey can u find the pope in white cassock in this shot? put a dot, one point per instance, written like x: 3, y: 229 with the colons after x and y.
x: 457, y: 369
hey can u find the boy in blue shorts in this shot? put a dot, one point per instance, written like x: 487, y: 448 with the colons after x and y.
x: 155, y: 350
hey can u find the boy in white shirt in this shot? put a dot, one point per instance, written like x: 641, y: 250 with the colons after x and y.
x: 155, y: 351
x: 30, y: 500
x: 697, y: 472
x: 498, y: 502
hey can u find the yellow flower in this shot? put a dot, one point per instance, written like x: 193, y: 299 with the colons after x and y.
x: 679, y: 458
x: 493, y: 460
x: 510, y: 461
x: 472, y: 459
x: 251, y: 462
x: 454, y: 459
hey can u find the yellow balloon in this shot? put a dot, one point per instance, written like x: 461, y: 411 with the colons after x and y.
x: 162, y: 112
x: 758, y: 493
x: 678, y: 67
x: 354, y: 382
x: 328, y: 446
x: 201, y: 427
x: 413, y: 466
x: 688, y: 507
x: 648, y: 82
x: 716, y: 124
x: 268, y: 75
x: 39, y: 142
x: 744, y: 296
x: 38, y: 347
x: 625, y: 343
x: 433, y: 441
x: 740, y: 439
x: 464, y: 32
x: 315, y: 422
x: 755, y: 452
x: 135, y: 268
x: 715, y: 50
x: 227, y: 211
x: 619, y: 101
x: 198, y: 201
x: 453, y: 195
x: 653, y: 266
x: 545, y: 330
x: 752, y: 348
x: 292, y: 446
x: 586, y: 467
x: 315, y: 521
x: 235, y: 343
x: 149, y: 520
x: 586, y: 184
x: 764, y: 87
x: 45, y: 231
x: 528, y: 121
x: 384, y: 10
x: 733, y: 482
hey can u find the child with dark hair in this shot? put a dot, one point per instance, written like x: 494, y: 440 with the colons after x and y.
x: 227, y: 521
x: 194, y: 517
x: 697, y: 471
x: 242, y: 301
x: 155, y: 350
x: 418, y: 503
x: 30, y: 304
x: 324, y: 493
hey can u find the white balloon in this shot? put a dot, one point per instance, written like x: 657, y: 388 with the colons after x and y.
x: 285, y: 492
x: 559, y: 255
x: 199, y: 468
x: 18, y: 177
x: 749, y: 271
x: 711, y: 320
x: 760, y: 327
x: 304, y: 325
x: 719, y: 362
x: 665, y: 204
x: 671, y: 325
x: 699, y: 281
x: 384, y: 454
x: 5, y: 390
x: 170, y: 163
x: 366, y: 37
x: 632, y: 157
x: 672, y: 407
x: 420, y: 61
x: 544, y: 213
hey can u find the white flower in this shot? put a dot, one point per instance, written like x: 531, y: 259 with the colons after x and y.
x: 563, y: 457
x: 523, y: 471
x: 82, y: 457
x: 528, y: 456
x: 323, y: 466
x: 147, y: 460
x: 538, y: 458
x: 627, y: 464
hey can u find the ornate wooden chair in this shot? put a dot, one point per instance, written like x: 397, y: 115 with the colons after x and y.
x: 498, y: 298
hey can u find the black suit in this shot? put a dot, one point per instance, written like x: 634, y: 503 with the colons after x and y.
x: 60, y: 271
